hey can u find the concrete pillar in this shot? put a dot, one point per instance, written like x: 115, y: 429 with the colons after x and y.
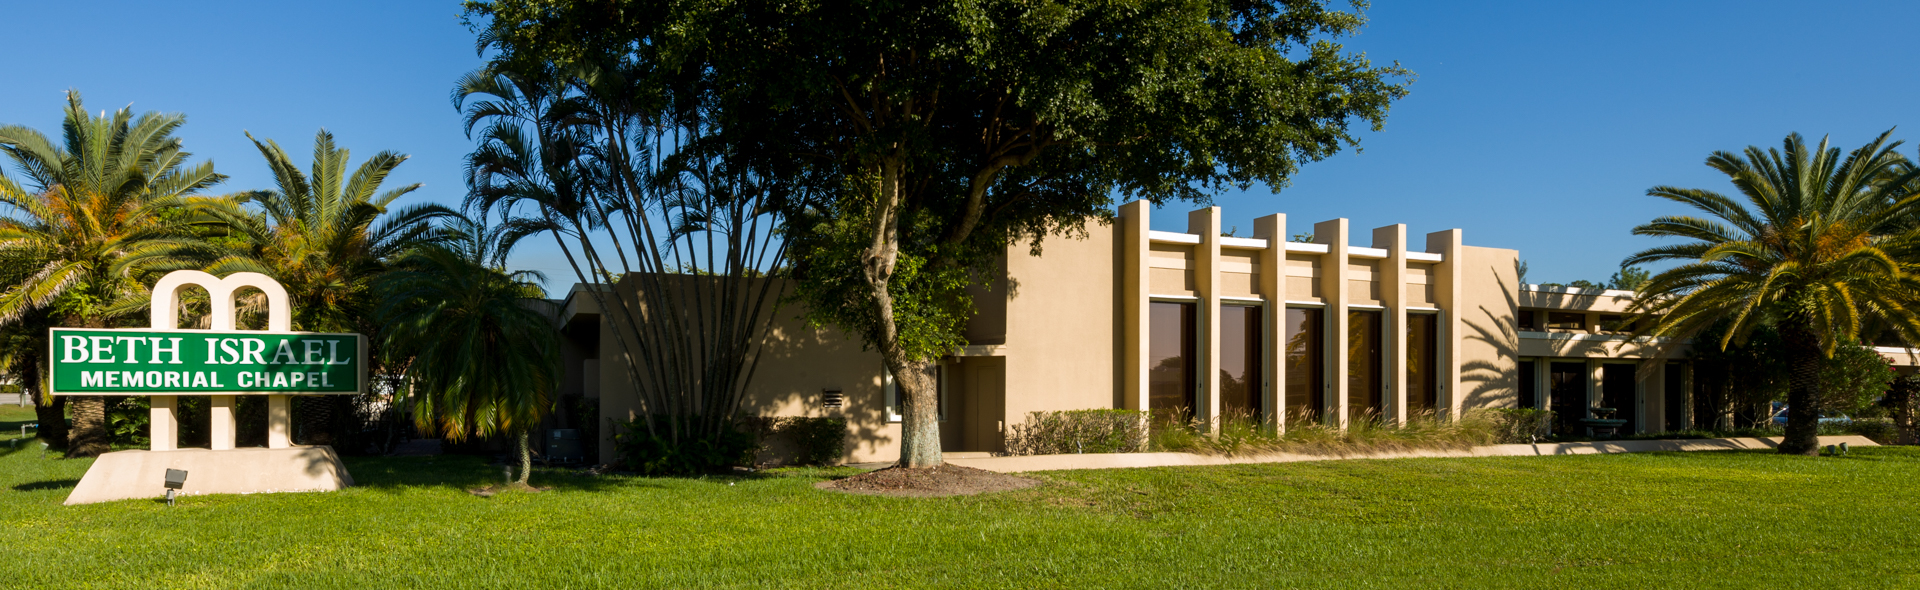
x: 1206, y: 283
x: 1542, y: 380
x: 1446, y: 294
x: 1595, y: 379
x: 1393, y: 295
x: 1686, y: 389
x: 220, y: 423
x: 1334, y: 287
x: 163, y: 419
x: 1134, y: 225
x: 1273, y: 286
x: 279, y: 421
x: 1641, y: 393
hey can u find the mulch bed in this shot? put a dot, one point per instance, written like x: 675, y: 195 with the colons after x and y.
x: 490, y: 491
x: 933, y: 482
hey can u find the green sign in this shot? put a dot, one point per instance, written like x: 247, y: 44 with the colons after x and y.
x: 201, y: 362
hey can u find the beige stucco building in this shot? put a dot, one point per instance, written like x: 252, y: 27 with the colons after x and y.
x: 1345, y: 324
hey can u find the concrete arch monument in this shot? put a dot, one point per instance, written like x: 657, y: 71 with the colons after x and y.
x: 221, y: 362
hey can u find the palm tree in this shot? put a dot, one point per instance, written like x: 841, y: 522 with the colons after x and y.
x: 78, y: 238
x: 480, y: 361
x: 1819, y: 249
x: 325, y: 236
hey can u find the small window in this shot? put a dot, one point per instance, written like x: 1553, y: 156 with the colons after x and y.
x: 1560, y: 320
x: 893, y: 393
x: 1529, y: 320
x: 1613, y: 323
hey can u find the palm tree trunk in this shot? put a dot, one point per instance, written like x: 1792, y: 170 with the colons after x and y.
x: 89, y: 435
x: 1803, y: 393
x: 523, y: 450
x: 50, y: 411
x: 52, y: 414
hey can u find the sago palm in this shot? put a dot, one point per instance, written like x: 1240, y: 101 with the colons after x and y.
x: 90, y: 218
x: 480, y: 361
x: 324, y: 234
x: 1819, y: 248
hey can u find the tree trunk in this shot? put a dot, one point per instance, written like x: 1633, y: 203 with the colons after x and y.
x: 919, y: 398
x: 1803, y: 394
x: 523, y: 450
x: 89, y: 435
x: 50, y: 411
x: 1900, y: 399
x: 919, y: 413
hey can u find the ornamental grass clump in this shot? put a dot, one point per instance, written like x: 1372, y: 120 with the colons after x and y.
x: 1079, y: 431
x: 1241, y: 433
x: 1521, y: 425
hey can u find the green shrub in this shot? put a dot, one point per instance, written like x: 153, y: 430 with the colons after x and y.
x: 1879, y: 430
x: 1521, y: 425
x: 1079, y: 431
x: 1243, y: 433
x: 128, y: 419
x: 655, y: 454
x: 816, y: 441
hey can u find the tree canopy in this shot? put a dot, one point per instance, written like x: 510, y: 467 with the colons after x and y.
x: 1822, y: 246
x: 942, y: 133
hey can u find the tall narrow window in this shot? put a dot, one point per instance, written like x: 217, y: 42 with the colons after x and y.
x: 1303, y: 377
x: 1363, y: 365
x: 1423, y: 371
x: 1170, y: 376
x: 1674, y: 388
x: 1240, y: 375
x: 1529, y: 396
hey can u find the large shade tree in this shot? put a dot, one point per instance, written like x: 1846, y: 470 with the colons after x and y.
x: 1817, y: 244
x: 86, y: 220
x: 945, y: 132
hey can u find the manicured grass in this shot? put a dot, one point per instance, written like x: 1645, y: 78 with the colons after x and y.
x: 1699, y: 520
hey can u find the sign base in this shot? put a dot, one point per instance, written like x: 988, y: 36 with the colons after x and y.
x: 130, y: 475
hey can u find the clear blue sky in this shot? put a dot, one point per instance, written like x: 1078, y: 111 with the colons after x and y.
x: 1533, y: 125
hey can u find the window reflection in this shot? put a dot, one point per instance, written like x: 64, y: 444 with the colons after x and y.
x: 1303, y: 376
x: 1240, y: 376
x: 1170, y: 357
x: 1363, y: 364
x: 1422, y: 367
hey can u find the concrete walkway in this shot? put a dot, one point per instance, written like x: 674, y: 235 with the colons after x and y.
x: 1126, y: 460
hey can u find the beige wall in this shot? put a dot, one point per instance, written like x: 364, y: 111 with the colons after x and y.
x: 796, y: 365
x: 1063, y: 326
x: 1489, y: 340
x: 1066, y: 330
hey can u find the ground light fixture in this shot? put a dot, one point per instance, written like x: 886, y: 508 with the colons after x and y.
x: 176, y: 479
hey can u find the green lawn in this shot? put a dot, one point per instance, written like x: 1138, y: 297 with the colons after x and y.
x: 1700, y: 520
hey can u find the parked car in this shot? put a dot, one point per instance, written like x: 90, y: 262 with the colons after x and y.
x: 1780, y: 416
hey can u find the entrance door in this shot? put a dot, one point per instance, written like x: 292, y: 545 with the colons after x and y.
x: 1567, y: 396
x: 1616, y: 391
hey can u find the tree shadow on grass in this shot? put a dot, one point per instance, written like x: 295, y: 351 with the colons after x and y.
x: 55, y: 484
x: 467, y: 472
